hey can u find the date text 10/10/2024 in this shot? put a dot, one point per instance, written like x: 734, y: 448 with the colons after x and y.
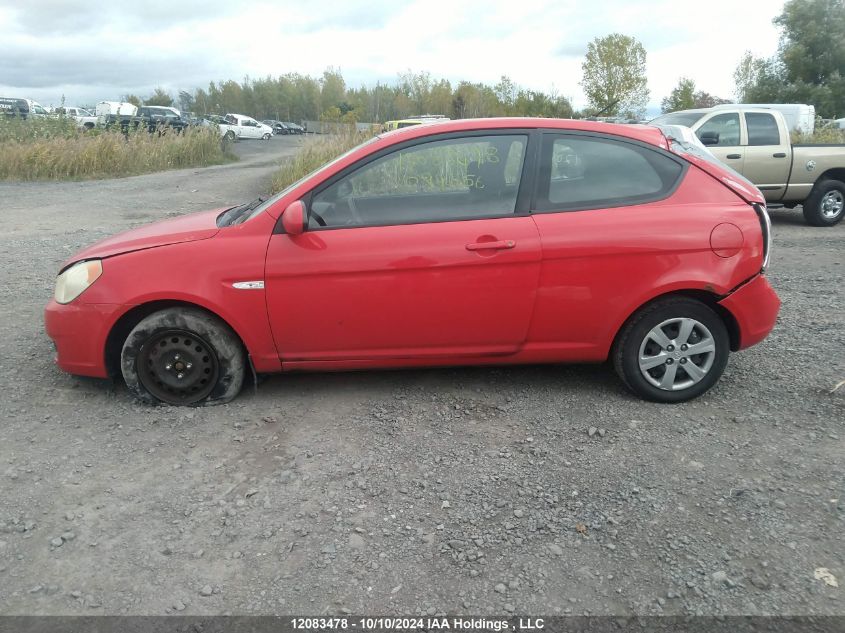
x: 476, y: 625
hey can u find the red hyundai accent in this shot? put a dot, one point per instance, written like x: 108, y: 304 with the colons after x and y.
x: 470, y: 242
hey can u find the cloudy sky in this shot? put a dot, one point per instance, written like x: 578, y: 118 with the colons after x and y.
x: 93, y: 50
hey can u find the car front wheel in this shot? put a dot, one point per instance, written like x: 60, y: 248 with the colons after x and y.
x: 183, y: 356
x: 672, y: 350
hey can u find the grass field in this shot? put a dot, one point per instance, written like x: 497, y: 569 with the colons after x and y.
x: 53, y: 149
x: 316, y: 152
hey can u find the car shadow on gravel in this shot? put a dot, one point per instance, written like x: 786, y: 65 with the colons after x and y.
x: 581, y: 380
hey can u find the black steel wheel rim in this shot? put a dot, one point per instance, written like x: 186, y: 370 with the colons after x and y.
x: 178, y: 367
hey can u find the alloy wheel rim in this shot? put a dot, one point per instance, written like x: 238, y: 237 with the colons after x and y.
x: 677, y: 354
x: 178, y: 367
x: 832, y: 204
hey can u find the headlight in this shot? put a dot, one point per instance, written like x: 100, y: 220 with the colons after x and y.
x: 76, y: 279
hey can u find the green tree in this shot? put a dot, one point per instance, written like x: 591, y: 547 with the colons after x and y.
x: 332, y: 89
x: 810, y: 64
x: 186, y: 101
x: 746, y: 75
x: 703, y: 99
x: 160, y: 97
x: 615, y: 74
x: 682, y: 96
x: 133, y: 99
x: 506, y: 93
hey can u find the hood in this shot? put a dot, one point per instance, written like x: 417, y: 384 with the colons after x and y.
x: 187, y: 228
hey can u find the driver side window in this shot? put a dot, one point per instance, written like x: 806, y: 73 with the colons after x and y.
x: 435, y: 181
x: 724, y: 127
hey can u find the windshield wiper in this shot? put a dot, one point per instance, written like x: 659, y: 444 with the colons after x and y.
x: 240, y: 212
x: 245, y: 213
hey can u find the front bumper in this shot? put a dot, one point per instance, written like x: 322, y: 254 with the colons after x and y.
x: 755, y: 307
x: 79, y: 332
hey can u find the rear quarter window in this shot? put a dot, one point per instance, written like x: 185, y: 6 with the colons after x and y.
x: 584, y: 172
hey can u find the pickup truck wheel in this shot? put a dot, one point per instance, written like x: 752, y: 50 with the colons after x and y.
x: 230, y: 135
x: 825, y: 206
x: 671, y: 350
x: 183, y: 356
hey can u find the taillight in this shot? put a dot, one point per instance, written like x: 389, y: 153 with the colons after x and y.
x: 766, y: 227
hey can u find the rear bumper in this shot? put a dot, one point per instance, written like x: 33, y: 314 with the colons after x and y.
x: 79, y: 332
x: 755, y: 307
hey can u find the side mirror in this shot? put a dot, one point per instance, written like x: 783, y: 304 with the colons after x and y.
x: 294, y: 219
x: 709, y: 138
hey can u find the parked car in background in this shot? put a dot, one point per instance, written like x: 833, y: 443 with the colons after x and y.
x: 23, y: 108
x: 294, y: 128
x: 238, y: 126
x: 756, y: 143
x: 83, y: 117
x: 157, y: 117
x: 277, y: 126
x: 413, y: 120
x: 485, y: 241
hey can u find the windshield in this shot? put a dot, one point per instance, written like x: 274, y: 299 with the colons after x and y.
x: 687, y: 119
x: 266, y: 203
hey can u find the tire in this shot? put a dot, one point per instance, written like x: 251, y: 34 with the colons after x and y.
x: 266, y: 137
x: 669, y: 315
x: 825, y: 206
x: 183, y: 344
x: 230, y: 135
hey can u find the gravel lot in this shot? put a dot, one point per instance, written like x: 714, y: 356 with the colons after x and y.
x: 438, y: 491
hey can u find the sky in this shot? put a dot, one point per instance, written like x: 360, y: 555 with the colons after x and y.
x: 91, y: 51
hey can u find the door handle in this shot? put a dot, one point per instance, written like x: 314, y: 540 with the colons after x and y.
x: 499, y: 245
x: 779, y: 155
x: 733, y: 156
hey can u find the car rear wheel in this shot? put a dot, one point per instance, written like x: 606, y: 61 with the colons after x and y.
x: 825, y: 206
x: 230, y: 135
x: 183, y: 356
x: 672, y: 350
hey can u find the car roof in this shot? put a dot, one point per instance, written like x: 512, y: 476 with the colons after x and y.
x: 644, y: 133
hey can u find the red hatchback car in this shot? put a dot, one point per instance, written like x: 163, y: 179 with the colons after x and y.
x: 489, y: 241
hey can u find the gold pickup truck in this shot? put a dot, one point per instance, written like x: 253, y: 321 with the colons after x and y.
x: 756, y: 143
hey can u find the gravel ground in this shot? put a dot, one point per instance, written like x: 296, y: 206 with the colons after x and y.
x: 496, y: 490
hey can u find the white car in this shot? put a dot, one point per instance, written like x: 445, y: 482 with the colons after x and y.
x: 84, y: 118
x: 238, y: 126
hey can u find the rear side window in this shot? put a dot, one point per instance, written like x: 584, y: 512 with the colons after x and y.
x: 762, y: 129
x: 584, y: 172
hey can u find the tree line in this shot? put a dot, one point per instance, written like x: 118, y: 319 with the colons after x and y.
x: 296, y: 97
x: 809, y: 67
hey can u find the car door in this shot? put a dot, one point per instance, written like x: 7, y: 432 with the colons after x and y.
x: 726, y: 130
x: 610, y: 236
x: 419, y: 253
x: 767, y: 161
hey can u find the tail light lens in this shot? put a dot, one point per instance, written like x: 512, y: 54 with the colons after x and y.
x: 766, y: 227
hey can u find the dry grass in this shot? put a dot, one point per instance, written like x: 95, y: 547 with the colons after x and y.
x: 316, y: 152
x: 49, y: 150
x: 829, y: 135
